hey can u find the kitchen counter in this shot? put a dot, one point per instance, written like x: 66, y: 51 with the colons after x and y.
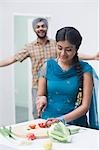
x: 85, y: 139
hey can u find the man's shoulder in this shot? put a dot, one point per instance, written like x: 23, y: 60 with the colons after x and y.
x: 52, y: 41
x: 35, y: 41
x: 31, y: 43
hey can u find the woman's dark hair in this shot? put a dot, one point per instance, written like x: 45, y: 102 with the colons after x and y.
x: 73, y: 36
x: 70, y: 34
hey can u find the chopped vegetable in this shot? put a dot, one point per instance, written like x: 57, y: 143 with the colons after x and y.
x: 32, y: 126
x: 47, y: 145
x: 59, y: 132
x: 42, y: 125
x: 31, y: 136
x: 6, y: 132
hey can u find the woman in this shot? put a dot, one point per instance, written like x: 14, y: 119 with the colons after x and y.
x: 65, y: 84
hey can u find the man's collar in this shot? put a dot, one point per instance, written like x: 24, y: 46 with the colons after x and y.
x: 38, y: 41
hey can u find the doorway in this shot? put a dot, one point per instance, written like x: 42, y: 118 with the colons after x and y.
x: 23, y: 34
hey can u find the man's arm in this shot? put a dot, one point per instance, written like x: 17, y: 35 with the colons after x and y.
x: 7, y: 61
x: 89, y: 57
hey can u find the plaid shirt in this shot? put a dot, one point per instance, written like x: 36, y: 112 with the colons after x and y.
x: 38, y: 53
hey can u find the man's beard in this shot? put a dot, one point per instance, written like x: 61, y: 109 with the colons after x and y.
x: 41, y: 37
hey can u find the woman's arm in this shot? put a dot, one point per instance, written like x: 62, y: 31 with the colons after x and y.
x: 41, y: 101
x: 87, y: 94
x: 41, y: 86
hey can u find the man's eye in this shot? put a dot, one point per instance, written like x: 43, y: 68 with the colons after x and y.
x: 37, y: 27
x: 43, y: 26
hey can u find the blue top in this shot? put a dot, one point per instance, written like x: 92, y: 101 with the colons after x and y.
x: 62, y: 90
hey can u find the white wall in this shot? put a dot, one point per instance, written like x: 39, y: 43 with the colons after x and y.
x: 82, y: 14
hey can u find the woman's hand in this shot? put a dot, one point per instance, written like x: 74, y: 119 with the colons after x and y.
x: 41, y: 103
x: 50, y: 121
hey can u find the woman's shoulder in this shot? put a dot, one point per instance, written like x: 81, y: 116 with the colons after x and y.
x: 51, y: 63
x: 84, y: 63
x: 51, y: 60
x: 86, y: 67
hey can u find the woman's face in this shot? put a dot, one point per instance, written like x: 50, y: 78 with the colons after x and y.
x: 66, y: 51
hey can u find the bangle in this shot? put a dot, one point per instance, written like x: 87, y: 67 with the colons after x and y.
x: 62, y: 120
x: 38, y: 97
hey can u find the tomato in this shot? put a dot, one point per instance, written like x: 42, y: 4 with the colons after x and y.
x: 32, y: 126
x: 31, y: 136
x: 42, y: 125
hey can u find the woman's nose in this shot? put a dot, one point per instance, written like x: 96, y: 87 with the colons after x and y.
x: 63, y: 52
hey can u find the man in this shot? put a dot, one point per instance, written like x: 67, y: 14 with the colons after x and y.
x: 38, y: 51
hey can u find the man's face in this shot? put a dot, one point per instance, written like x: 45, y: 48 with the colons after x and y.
x: 41, y: 30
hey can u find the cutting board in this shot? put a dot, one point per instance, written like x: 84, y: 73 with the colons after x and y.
x: 23, y: 130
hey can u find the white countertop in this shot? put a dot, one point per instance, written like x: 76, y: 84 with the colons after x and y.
x: 86, y: 139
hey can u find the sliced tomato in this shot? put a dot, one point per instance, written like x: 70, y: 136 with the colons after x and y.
x: 31, y: 136
x: 42, y: 125
x: 32, y: 126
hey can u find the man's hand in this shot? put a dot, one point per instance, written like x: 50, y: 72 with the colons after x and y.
x: 41, y: 103
x: 97, y: 56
